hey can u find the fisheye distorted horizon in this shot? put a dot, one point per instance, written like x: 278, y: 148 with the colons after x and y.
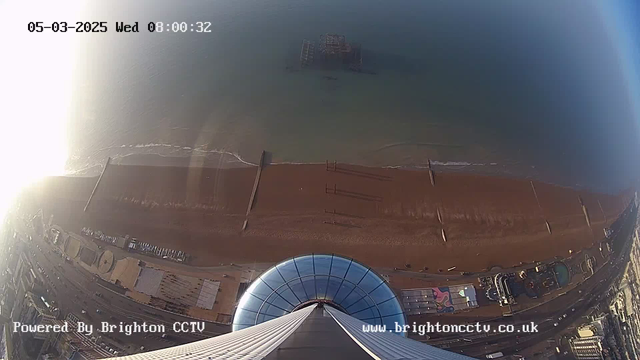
x: 268, y: 178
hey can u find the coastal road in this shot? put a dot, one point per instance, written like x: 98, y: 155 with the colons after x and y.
x: 74, y: 290
x: 79, y: 288
x: 553, y: 317
x: 561, y: 311
x: 74, y: 293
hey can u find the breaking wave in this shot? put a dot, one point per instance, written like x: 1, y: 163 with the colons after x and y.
x: 94, y: 163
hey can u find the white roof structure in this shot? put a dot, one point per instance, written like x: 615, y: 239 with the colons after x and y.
x: 208, y: 293
x: 318, y: 331
x: 149, y: 281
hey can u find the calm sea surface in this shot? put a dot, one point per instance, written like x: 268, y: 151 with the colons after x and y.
x: 504, y: 87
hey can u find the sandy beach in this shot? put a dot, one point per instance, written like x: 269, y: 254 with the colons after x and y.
x: 382, y: 217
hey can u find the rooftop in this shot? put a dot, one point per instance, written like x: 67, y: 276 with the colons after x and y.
x: 295, y: 283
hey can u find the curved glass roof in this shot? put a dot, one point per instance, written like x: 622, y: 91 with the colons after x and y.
x: 346, y: 284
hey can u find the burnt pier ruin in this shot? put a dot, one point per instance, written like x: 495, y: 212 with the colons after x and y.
x: 332, y: 52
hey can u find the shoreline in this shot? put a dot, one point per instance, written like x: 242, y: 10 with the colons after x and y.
x: 221, y: 159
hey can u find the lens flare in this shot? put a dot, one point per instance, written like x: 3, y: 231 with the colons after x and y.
x: 36, y: 94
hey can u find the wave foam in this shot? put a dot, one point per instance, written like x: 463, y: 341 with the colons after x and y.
x: 460, y: 163
x: 169, y: 150
x: 198, y: 150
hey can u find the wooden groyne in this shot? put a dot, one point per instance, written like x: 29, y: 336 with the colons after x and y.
x: 106, y: 165
x: 254, y: 190
x: 431, y: 174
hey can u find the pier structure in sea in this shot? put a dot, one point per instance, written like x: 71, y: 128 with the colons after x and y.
x: 307, y: 53
x: 332, y: 52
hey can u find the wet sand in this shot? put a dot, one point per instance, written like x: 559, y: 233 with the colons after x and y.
x: 381, y: 217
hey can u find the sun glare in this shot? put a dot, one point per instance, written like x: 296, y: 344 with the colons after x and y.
x: 36, y: 92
